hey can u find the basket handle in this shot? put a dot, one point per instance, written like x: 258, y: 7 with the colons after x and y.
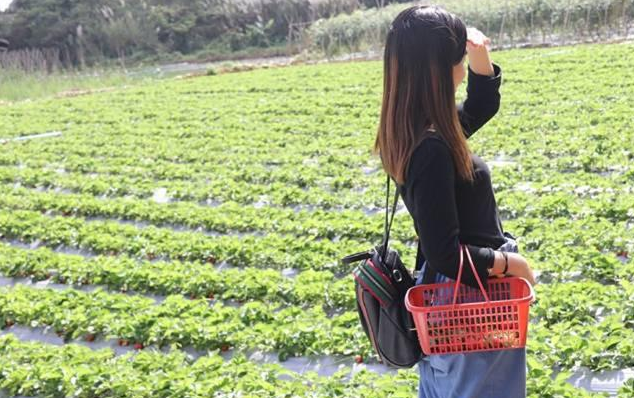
x: 455, y: 289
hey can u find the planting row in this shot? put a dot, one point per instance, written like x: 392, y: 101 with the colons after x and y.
x: 36, y: 369
x: 216, y: 188
x: 211, y: 188
x: 604, y: 342
x: 113, y: 238
x: 235, y: 218
x: 592, y: 247
x: 178, y: 322
x: 582, y: 302
x: 122, y: 273
x: 309, y: 173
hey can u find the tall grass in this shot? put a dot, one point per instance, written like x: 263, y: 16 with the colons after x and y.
x: 17, y: 85
x: 34, y: 60
x: 38, y: 73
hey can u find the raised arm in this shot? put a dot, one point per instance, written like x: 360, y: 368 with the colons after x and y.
x: 483, y: 84
x: 433, y: 189
x: 482, y: 102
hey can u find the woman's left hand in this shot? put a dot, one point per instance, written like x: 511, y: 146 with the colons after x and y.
x: 479, y: 60
x: 476, y: 40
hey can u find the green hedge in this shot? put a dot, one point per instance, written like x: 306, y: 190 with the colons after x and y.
x: 508, y: 22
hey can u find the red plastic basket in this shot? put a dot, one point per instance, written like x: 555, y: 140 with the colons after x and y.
x: 476, y: 320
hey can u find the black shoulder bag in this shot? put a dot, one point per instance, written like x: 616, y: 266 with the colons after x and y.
x: 381, y: 282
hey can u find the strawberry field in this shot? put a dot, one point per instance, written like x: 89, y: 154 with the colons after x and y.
x: 181, y: 238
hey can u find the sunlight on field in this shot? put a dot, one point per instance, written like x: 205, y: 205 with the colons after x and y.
x: 207, y: 216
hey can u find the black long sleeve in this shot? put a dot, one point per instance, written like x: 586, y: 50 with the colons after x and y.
x: 431, y: 199
x: 446, y: 211
x: 482, y: 102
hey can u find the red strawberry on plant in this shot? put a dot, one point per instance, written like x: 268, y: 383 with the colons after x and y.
x: 90, y: 337
x: 138, y: 346
x: 358, y: 359
x: 224, y: 347
x: 123, y: 342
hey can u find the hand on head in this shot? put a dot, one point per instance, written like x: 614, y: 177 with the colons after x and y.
x: 476, y: 39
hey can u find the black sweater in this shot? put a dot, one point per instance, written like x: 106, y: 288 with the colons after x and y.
x: 446, y: 209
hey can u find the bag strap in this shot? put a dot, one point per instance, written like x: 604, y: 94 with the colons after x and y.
x: 386, y: 234
x: 388, y: 226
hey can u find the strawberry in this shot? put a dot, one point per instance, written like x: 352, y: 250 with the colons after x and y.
x: 358, y: 359
x: 138, y: 346
x: 90, y: 337
x: 123, y: 342
x: 224, y: 347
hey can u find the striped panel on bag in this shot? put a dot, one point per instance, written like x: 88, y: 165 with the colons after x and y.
x: 380, y: 278
x: 365, y: 287
x: 374, y: 283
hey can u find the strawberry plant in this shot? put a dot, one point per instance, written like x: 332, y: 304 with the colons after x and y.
x: 229, y: 204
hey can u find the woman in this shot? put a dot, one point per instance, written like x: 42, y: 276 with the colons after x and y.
x: 447, y: 189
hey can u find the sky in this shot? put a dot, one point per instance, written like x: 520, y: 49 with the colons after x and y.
x: 4, y: 4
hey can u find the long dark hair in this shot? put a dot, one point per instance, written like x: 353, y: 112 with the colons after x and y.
x: 422, y: 46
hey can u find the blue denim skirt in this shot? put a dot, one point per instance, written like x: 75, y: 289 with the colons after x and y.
x: 487, y: 374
